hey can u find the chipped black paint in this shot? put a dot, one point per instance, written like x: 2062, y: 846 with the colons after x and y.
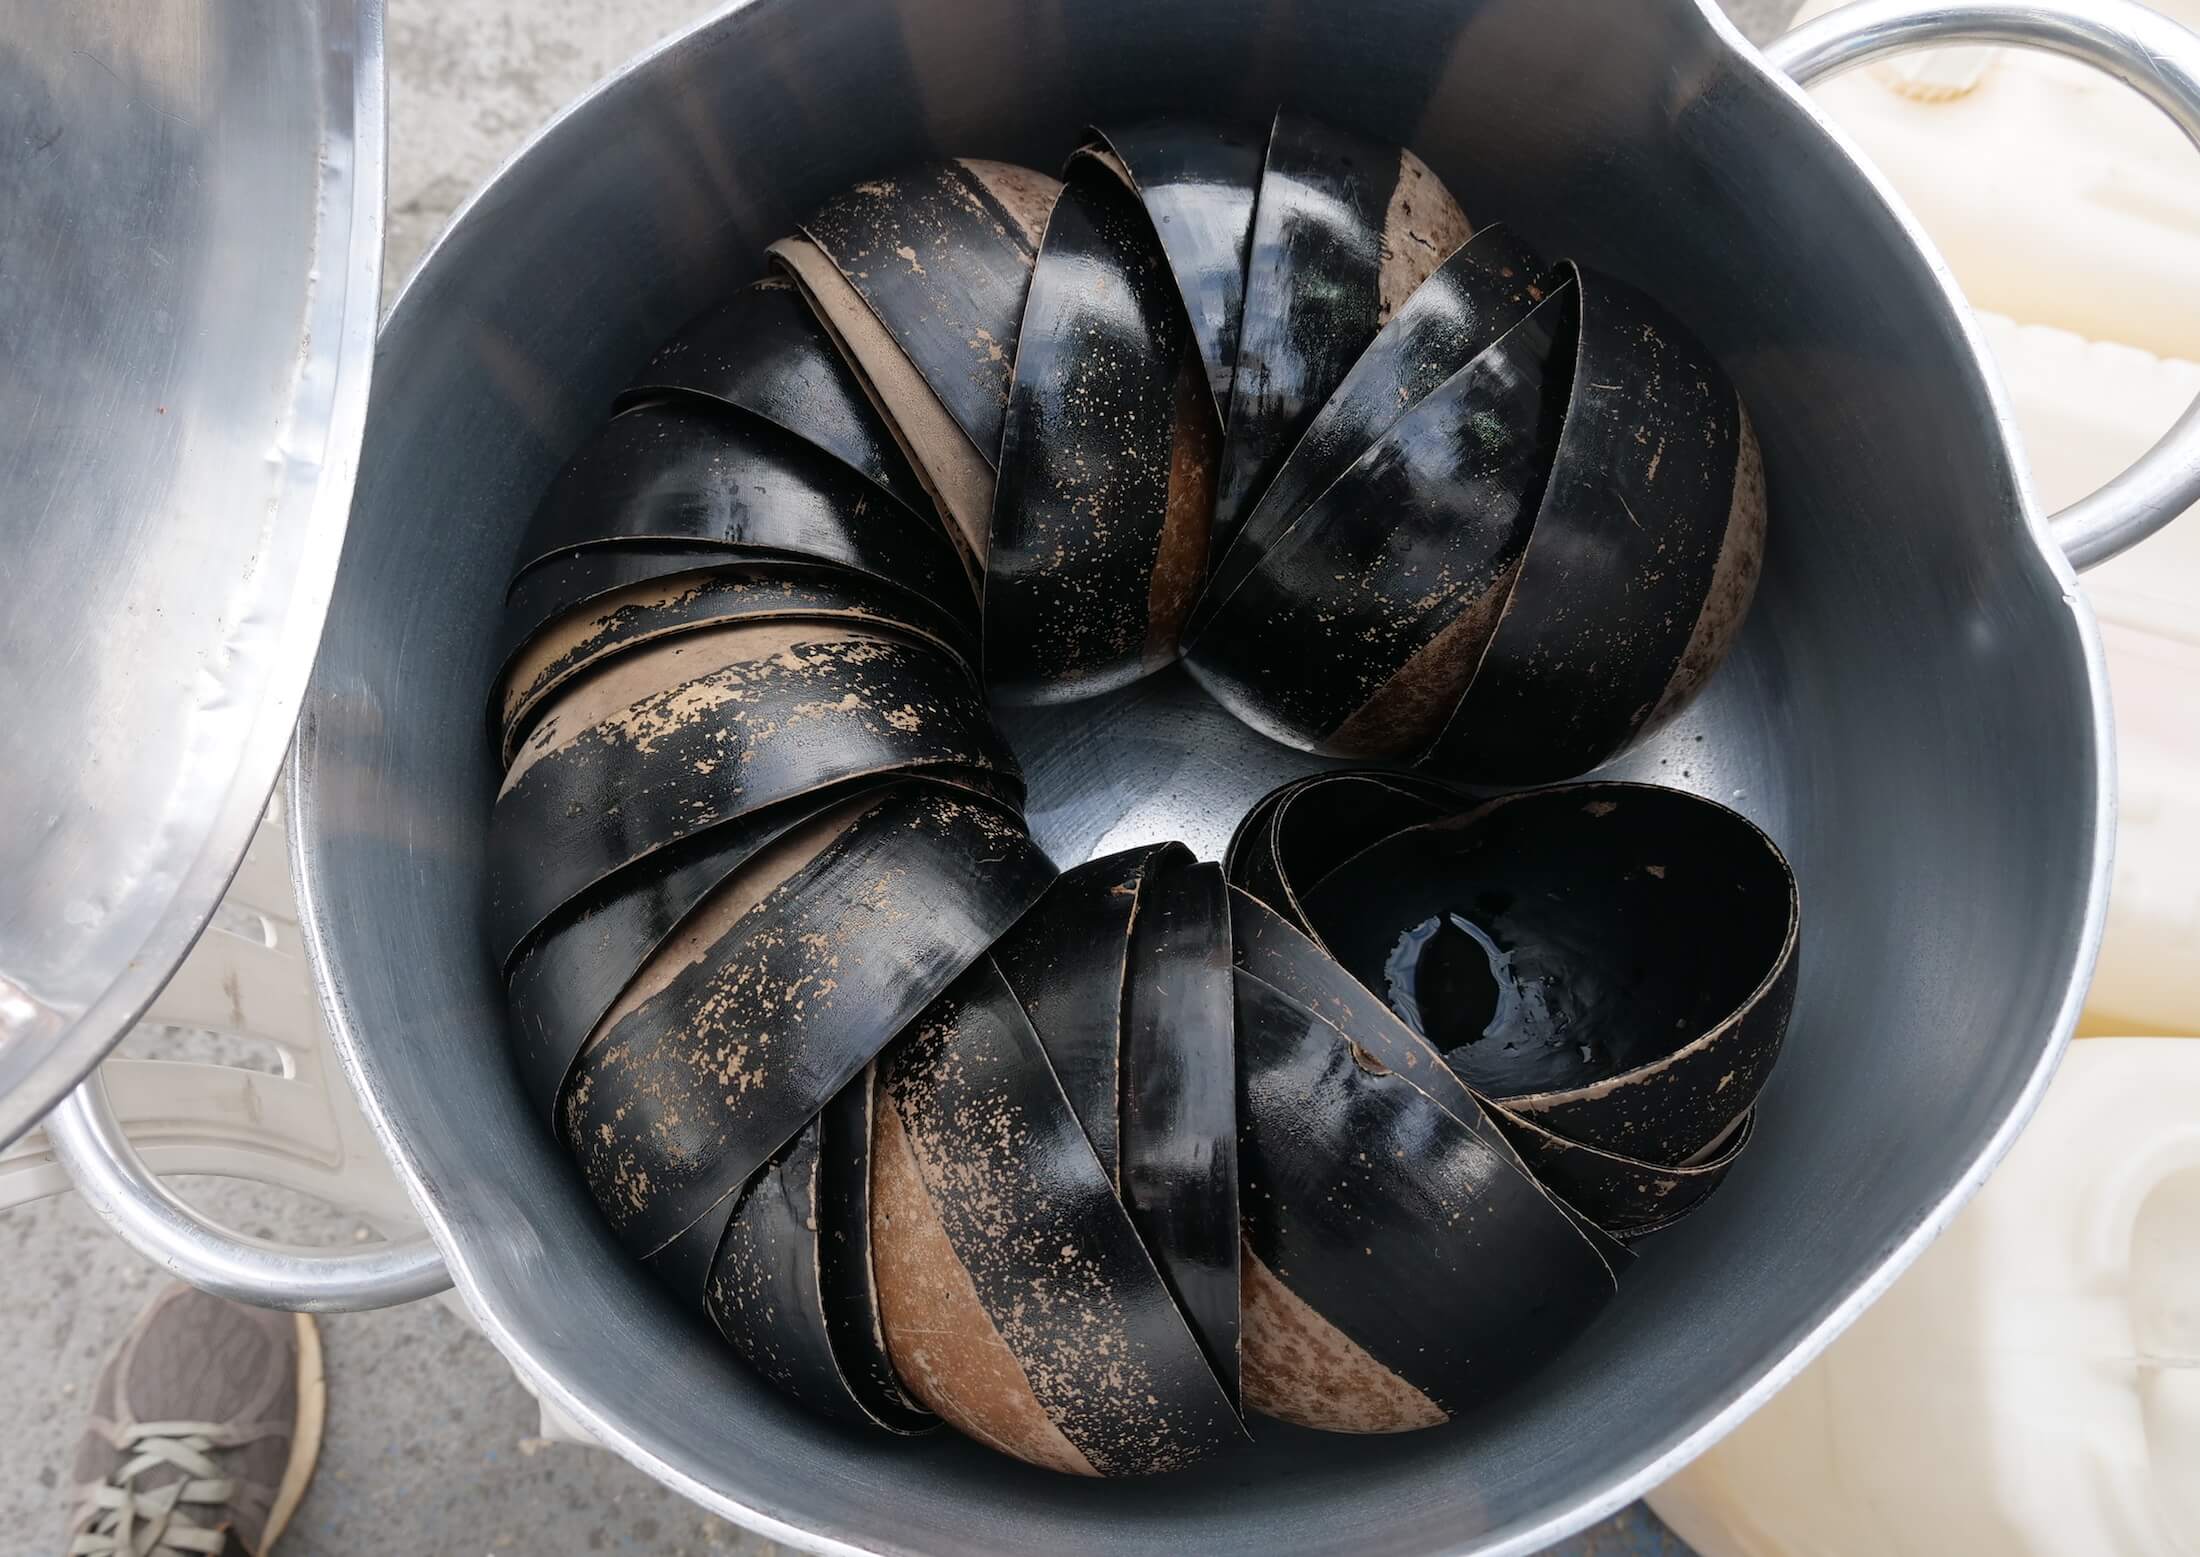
x: 721, y: 596
x: 944, y: 268
x: 570, y: 975
x: 1055, y: 1259
x: 685, y: 1097
x: 715, y: 748
x: 536, y: 599
x: 1085, y: 460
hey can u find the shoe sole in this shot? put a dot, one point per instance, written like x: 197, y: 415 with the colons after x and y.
x: 305, y: 1438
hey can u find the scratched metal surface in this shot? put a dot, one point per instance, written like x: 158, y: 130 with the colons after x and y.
x: 186, y: 322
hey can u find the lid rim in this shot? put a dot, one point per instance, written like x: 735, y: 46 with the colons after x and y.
x: 152, y: 799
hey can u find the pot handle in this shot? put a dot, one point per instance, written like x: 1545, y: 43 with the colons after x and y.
x: 89, y: 1142
x: 2143, y: 49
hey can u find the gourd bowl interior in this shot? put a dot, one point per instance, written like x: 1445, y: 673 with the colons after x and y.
x: 1913, y: 711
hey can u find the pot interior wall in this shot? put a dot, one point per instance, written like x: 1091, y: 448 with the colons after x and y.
x: 1908, y: 713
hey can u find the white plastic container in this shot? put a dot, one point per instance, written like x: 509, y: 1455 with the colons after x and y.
x: 2087, y: 408
x: 2058, y: 195
x: 2031, y: 1388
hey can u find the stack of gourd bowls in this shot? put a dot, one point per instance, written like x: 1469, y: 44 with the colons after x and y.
x: 1352, y: 1128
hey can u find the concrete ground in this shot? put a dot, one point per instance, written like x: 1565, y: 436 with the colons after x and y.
x: 431, y: 1448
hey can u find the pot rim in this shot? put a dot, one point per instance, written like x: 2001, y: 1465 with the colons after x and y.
x: 1683, y: 1442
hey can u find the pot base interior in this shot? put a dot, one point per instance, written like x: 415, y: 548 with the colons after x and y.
x: 1909, y: 713
x: 1161, y: 760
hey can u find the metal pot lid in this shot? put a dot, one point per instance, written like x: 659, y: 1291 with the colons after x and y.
x: 190, y: 272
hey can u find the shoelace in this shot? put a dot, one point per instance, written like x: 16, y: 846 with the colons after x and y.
x: 158, y: 1524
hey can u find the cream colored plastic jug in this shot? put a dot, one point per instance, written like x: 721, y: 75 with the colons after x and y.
x: 2058, y: 195
x: 2031, y: 1387
x: 2087, y: 409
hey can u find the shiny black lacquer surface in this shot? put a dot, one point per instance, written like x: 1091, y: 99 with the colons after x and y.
x: 1198, y: 182
x: 764, y: 1291
x: 1485, y: 287
x: 1312, y: 297
x: 694, y: 472
x: 1305, y: 829
x: 1361, y: 859
x: 1624, y: 550
x: 1634, y: 933
x: 1068, y: 961
x: 1423, y: 531
x: 1180, y: 1167
x: 1632, y: 1196
x: 764, y: 351
x: 1398, y: 1222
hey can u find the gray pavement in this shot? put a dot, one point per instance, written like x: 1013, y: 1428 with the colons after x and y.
x: 431, y: 1448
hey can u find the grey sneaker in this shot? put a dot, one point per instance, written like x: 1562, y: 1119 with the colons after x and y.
x: 204, y: 1429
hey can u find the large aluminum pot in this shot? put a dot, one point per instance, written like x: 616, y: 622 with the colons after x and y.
x: 1917, y: 711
